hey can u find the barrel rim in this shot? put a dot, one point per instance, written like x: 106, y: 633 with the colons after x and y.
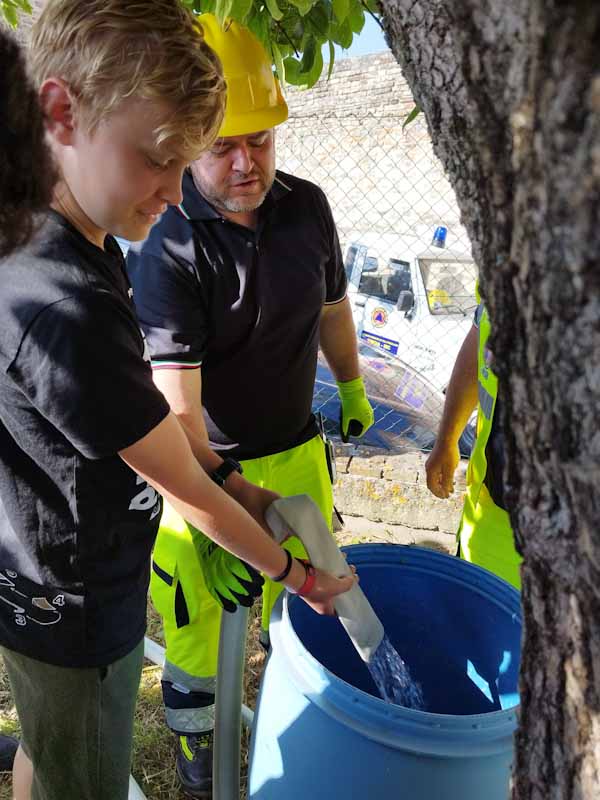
x: 421, y: 732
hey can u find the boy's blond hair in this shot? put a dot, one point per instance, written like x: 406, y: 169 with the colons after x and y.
x: 107, y: 51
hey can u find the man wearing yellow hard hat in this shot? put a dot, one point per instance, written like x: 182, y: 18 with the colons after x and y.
x: 235, y: 289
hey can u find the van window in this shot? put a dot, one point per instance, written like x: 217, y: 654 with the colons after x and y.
x: 349, y: 260
x: 449, y: 285
x: 387, y: 284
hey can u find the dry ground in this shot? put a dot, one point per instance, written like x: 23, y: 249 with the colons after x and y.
x: 154, y: 745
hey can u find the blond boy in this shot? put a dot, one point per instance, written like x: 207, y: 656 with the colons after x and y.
x: 131, y: 94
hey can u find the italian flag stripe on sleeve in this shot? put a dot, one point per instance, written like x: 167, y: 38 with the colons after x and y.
x: 164, y: 364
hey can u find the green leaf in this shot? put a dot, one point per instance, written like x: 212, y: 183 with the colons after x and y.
x: 291, y: 66
x: 274, y: 9
x: 24, y: 5
x: 341, y: 9
x: 303, y: 6
x: 285, y: 49
x: 259, y: 25
x: 412, y: 116
x: 295, y: 75
x: 240, y: 10
x: 298, y: 30
x: 278, y: 61
x: 331, y: 58
x: 318, y: 20
x: 342, y: 34
x: 356, y: 16
x: 308, y: 57
x: 205, y: 6
x: 10, y: 14
x: 223, y: 9
x: 315, y: 73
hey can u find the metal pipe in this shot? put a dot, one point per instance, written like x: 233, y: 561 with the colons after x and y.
x: 228, y: 705
x: 154, y: 652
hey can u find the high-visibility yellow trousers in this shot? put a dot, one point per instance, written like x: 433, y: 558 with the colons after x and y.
x: 486, y: 537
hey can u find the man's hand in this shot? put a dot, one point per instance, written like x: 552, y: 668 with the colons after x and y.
x: 440, y: 468
x: 356, y: 416
x: 230, y: 581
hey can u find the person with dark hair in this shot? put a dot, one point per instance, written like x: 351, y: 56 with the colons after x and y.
x: 24, y: 191
x: 26, y: 171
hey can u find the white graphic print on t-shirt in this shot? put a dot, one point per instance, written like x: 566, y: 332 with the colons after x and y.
x: 147, y: 498
x: 38, y: 610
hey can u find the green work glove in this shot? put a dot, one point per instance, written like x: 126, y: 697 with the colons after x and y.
x: 356, y: 415
x: 231, y: 581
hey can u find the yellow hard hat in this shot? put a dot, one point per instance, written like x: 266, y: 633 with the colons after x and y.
x: 254, y: 99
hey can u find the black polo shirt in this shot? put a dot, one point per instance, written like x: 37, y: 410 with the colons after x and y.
x: 246, y: 305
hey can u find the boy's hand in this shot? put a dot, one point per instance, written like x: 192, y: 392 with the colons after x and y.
x: 323, y: 591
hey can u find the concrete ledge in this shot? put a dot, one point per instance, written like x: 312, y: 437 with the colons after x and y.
x: 393, y: 489
x: 358, y: 530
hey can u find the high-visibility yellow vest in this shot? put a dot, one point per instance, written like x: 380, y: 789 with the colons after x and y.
x: 485, y: 533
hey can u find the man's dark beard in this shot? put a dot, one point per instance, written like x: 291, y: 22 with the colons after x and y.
x: 237, y: 206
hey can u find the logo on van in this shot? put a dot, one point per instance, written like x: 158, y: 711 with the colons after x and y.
x: 379, y: 317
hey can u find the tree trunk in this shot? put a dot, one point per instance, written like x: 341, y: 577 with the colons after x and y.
x: 511, y: 93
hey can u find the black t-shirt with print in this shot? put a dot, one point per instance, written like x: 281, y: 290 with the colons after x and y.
x: 76, y: 523
x: 246, y: 305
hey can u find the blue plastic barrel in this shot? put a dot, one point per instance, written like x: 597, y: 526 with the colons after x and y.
x: 321, y: 731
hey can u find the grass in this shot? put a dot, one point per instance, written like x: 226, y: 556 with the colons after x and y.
x: 154, y: 745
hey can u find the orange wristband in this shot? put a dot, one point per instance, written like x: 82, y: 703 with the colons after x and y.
x: 311, y: 578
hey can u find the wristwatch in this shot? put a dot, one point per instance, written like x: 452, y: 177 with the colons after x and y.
x: 222, y: 472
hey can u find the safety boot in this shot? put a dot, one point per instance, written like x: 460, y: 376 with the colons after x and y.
x: 194, y: 764
x: 8, y: 748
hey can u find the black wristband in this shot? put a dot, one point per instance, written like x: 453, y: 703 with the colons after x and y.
x: 287, y: 569
x: 222, y: 472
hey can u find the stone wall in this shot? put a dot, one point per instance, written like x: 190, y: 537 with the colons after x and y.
x: 346, y: 135
x: 392, y: 488
x: 361, y: 85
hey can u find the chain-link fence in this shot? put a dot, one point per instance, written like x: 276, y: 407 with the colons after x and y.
x: 413, y: 300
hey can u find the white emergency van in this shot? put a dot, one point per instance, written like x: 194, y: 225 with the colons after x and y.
x: 413, y: 302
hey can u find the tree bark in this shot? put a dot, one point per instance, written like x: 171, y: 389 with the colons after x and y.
x: 511, y: 93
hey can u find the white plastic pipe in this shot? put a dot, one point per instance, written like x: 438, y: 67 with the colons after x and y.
x: 135, y: 793
x: 300, y: 516
x: 154, y: 652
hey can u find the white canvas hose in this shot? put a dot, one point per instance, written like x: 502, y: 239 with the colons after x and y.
x: 299, y: 515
